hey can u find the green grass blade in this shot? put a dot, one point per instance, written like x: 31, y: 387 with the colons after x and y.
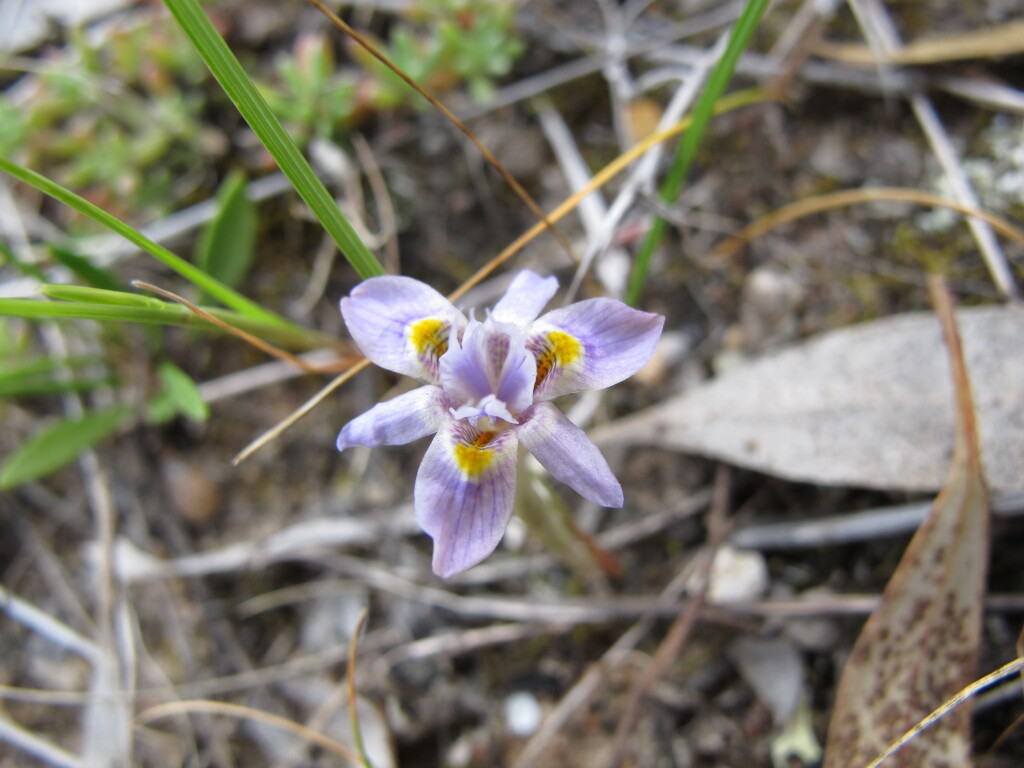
x: 253, y: 107
x: 58, y: 445
x: 95, y: 276
x: 226, y: 244
x: 200, y: 279
x: 164, y: 313
x: 98, y: 296
x: 29, y: 270
x: 687, y: 149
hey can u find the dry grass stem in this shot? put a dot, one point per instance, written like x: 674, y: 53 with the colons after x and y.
x: 178, y: 708
x: 819, y: 203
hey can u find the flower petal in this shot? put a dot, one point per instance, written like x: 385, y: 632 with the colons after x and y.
x: 401, y: 324
x: 525, y: 297
x: 591, y: 345
x: 464, y: 494
x: 398, y: 421
x: 567, y: 453
x: 489, y: 372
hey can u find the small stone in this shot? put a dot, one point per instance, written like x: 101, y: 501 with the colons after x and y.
x: 736, y: 576
x: 523, y: 713
x: 191, y: 490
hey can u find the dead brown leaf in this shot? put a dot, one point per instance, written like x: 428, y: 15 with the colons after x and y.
x: 920, y: 645
x: 868, y: 406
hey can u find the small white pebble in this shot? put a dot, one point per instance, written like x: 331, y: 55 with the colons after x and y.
x: 737, y: 575
x: 522, y: 713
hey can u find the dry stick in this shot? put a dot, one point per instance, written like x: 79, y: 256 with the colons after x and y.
x: 616, y: 166
x: 964, y: 695
x: 584, y: 689
x: 733, y: 101
x: 440, y: 107
x: 795, y: 44
x: 28, y: 742
x: 387, y: 220
x: 302, y: 410
x: 47, y: 626
x: 247, y: 713
x: 819, y: 203
x: 684, y: 624
x: 255, y: 341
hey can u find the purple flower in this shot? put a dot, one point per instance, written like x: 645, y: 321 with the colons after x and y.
x: 488, y: 389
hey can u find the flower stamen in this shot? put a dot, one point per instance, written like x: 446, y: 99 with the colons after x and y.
x: 429, y: 337
x: 553, y: 350
x: 475, y: 457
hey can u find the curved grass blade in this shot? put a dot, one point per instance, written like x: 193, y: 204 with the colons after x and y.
x: 91, y: 295
x: 687, y: 149
x: 58, y: 445
x: 84, y: 269
x: 163, y: 313
x: 253, y: 107
x: 196, y: 276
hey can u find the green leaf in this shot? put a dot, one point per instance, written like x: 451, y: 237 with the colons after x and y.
x: 252, y: 106
x: 183, y: 392
x: 687, y: 149
x: 58, y: 445
x: 85, y: 269
x: 227, y: 242
x: 196, y: 276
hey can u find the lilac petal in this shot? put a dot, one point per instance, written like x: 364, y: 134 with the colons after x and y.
x: 489, y: 372
x: 398, y: 421
x: 567, y: 453
x: 591, y: 344
x: 464, y: 494
x: 525, y: 298
x: 401, y: 324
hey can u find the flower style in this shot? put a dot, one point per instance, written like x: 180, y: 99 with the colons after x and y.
x: 488, y: 389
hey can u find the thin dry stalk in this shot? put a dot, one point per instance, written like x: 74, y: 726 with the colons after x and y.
x: 248, y: 338
x: 963, y: 696
x: 440, y: 107
x: 846, y: 197
x: 177, y: 708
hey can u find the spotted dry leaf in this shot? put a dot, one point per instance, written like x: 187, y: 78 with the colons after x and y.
x: 920, y: 645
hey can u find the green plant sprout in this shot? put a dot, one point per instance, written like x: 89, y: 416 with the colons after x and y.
x: 442, y: 44
x: 138, y: 137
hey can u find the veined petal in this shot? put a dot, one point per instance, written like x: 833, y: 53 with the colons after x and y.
x: 567, y: 453
x: 489, y: 372
x: 525, y: 297
x: 591, y: 344
x: 401, y: 324
x: 398, y: 421
x: 464, y: 494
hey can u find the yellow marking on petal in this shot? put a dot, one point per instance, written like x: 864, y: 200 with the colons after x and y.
x: 474, y: 458
x: 429, y: 337
x: 558, y: 350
